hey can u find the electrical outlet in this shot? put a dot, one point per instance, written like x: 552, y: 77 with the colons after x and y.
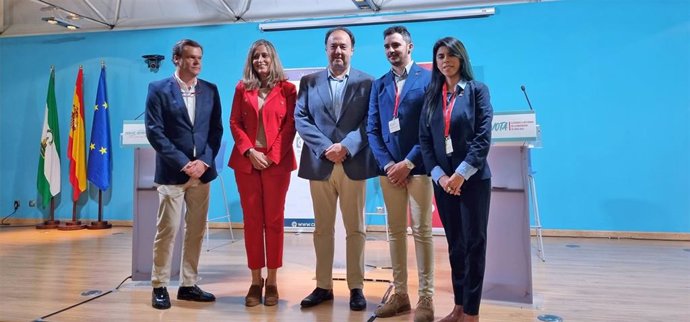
x: 16, y: 204
x: 32, y: 203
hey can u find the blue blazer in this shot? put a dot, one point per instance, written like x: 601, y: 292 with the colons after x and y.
x: 318, y: 128
x: 470, y: 132
x: 403, y: 144
x: 172, y: 135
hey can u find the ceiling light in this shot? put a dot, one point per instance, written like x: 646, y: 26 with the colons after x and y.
x: 366, y: 4
x: 61, y: 22
x: 377, y: 19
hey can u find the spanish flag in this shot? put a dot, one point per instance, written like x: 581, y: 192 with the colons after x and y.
x: 76, y: 145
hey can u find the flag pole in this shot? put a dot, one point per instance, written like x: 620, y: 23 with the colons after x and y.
x: 50, y: 140
x: 100, y: 224
x: 51, y: 223
x: 75, y: 152
x: 74, y: 224
x: 100, y: 162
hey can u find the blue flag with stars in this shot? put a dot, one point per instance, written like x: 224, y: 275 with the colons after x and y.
x: 100, y: 159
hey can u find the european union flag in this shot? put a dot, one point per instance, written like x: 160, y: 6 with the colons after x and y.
x: 100, y: 159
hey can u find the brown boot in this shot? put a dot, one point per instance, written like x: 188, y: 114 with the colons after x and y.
x: 253, y: 297
x: 454, y: 316
x: 271, y: 296
x: 425, y: 310
x: 396, y: 304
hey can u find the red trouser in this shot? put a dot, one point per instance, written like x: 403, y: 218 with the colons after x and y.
x: 263, y: 203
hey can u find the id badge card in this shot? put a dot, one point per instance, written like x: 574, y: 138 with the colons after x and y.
x: 449, y: 145
x: 394, y: 125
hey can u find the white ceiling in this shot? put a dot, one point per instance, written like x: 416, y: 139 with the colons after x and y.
x: 23, y: 17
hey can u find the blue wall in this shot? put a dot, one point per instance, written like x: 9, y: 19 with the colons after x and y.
x: 610, y: 81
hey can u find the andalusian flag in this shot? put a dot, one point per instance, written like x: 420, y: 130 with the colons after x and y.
x: 76, y: 146
x: 100, y: 159
x: 48, y: 178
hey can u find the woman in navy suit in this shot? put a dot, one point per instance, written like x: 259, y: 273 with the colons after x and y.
x: 455, y: 136
x: 263, y: 126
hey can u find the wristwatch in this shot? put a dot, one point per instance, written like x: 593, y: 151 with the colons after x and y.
x: 409, y: 164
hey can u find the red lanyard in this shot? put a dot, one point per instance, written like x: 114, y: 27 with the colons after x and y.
x: 397, y: 100
x: 447, y: 110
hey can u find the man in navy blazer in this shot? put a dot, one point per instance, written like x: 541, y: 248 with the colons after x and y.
x: 330, y: 117
x: 184, y: 126
x: 395, y: 106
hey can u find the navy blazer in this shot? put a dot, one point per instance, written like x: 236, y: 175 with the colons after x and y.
x: 172, y: 135
x: 318, y: 128
x: 470, y: 132
x: 404, y: 144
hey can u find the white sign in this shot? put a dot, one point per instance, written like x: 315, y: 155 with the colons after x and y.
x: 514, y: 126
x: 133, y: 133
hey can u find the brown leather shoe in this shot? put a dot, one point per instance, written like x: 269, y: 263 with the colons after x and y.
x: 253, y: 297
x: 271, y: 296
x: 454, y: 316
x: 425, y: 310
x: 396, y: 304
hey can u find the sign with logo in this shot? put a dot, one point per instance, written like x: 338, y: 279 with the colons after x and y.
x: 514, y: 126
x: 133, y: 133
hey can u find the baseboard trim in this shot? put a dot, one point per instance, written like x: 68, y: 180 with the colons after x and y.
x: 613, y: 234
x: 436, y: 231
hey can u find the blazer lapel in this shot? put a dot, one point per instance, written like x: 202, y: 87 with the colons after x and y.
x: 323, y: 88
x: 253, y: 98
x: 351, y: 88
x: 390, y: 89
x: 411, y: 80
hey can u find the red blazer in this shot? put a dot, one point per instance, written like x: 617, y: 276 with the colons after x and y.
x: 279, y: 124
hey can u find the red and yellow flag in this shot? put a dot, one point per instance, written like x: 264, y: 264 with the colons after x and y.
x: 76, y: 146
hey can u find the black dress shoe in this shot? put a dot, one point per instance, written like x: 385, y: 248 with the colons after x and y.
x: 317, y: 296
x: 357, y: 300
x: 194, y: 293
x: 160, y: 298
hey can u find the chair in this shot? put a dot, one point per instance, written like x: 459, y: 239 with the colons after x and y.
x: 220, y: 165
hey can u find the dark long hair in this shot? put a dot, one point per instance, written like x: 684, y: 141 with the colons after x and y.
x: 433, y: 91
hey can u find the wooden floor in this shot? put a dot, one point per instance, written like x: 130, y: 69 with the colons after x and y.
x: 42, y: 272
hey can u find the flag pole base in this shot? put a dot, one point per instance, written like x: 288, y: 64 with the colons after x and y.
x: 48, y: 224
x: 71, y: 225
x: 99, y: 225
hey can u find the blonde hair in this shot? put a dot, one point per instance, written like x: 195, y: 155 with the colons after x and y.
x: 276, y: 74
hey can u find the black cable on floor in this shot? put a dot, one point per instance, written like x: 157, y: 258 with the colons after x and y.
x: 2, y: 222
x: 383, y: 301
x: 85, y: 301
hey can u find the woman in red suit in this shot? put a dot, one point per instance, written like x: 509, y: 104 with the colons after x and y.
x: 263, y: 127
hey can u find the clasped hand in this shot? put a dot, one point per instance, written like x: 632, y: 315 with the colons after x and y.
x: 336, y: 153
x: 398, y: 174
x: 453, y: 184
x: 195, y: 169
x: 259, y: 160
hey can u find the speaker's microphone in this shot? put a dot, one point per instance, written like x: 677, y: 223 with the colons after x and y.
x: 142, y: 113
x: 522, y: 87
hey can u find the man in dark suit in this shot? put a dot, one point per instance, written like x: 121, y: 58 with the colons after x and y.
x: 395, y: 106
x: 330, y: 116
x: 184, y: 126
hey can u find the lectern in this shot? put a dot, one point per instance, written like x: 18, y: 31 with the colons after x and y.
x: 146, y: 204
x: 508, y: 275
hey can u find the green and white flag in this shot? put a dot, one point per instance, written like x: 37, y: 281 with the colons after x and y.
x: 48, y: 179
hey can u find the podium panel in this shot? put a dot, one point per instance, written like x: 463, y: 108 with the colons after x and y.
x: 508, y: 275
x: 145, y: 216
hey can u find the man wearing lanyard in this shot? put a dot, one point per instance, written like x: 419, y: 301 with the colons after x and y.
x: 395, y: 106
x: 184, y: 126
